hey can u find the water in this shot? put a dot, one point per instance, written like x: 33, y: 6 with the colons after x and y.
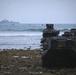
x: 22, y: 36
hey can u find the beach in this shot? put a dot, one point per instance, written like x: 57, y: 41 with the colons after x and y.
x: 27, y: 62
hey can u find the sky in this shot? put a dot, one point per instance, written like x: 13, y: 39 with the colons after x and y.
x: 38, y: 11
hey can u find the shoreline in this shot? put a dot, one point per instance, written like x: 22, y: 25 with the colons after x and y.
x: 19, y: 49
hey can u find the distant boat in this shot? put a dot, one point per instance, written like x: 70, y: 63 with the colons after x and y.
x: 4, y: 21
x: 8, y: 22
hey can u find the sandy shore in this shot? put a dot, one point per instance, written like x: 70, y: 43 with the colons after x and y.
x: 27, y: 62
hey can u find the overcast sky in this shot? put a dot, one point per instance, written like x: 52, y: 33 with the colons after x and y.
x: 38, y: 11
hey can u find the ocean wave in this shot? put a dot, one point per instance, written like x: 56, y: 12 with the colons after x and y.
x: 61, y: 30
x: 20, y: 34
x: 29, y: 32
x: 35, y: 30
x: 64, y: 30
x: 21, y: 29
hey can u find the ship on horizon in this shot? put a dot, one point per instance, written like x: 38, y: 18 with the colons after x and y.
x: 5, y: 21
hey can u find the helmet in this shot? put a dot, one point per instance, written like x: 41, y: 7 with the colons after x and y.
x: 49, y: 26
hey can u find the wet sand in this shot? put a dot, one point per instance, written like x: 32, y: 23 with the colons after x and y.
x: 27, y: 62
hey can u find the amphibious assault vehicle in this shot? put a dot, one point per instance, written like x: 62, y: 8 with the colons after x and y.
x: 58, y: 51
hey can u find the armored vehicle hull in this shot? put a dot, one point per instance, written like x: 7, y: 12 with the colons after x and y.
x: 60, y: 55
x: 58, y: 51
